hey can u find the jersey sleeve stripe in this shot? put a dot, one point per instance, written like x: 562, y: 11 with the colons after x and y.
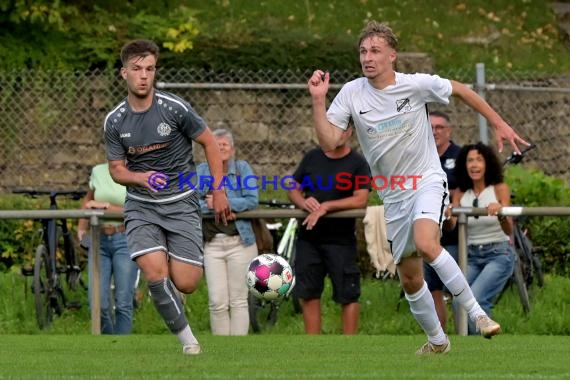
x: 110, y: 113
x: 173, y: 100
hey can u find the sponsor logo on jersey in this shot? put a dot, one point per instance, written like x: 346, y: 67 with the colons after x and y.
x: 389, y: 128
x: 145, y: 149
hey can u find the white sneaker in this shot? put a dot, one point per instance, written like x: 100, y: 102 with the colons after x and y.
x: 192, y: 349
x: 487, y: 327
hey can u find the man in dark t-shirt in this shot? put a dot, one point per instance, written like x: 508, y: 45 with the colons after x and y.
x: 326, y: 182
x: 148, y: 138
x: 448, y: 151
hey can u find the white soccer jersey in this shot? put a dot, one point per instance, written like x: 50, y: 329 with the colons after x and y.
x: 393, y: 128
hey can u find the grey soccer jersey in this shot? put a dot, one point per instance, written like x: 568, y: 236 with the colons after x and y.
x: 158, y: 139
x: 393, y: 128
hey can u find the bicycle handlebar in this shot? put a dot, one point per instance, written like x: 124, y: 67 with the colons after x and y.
x: 517, y: 158
x: 34, y: 193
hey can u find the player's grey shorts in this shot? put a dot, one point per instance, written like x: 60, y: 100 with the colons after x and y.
x: 175, y: 228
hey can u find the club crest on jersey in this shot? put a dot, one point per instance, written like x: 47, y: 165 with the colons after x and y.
x: 163, y: 129
x: 449, y: 163
x: 403, y: 105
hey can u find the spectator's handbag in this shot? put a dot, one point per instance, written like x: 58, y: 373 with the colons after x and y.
x: 263, y: 237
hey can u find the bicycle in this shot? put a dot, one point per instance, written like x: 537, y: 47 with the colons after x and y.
x: 55, y: 237
x: 528, y: 265
x: 263, y: 314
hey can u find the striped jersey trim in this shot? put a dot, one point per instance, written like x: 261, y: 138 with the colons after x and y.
x: 172, y: 100
x: 110, y: 113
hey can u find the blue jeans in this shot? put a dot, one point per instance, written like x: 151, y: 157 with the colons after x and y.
x: 489, y: 267
x: 116, y: 264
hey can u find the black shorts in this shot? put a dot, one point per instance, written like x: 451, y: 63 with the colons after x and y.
x: 430, y: 275
x: 314, y: 261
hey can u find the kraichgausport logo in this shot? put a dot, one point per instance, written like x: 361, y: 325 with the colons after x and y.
x: 341, y: 181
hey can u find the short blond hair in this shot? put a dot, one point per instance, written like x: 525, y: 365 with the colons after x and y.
x: 374, y: 28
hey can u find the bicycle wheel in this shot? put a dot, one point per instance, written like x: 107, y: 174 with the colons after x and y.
x: 537, y: 266
x: 262, y: 314
x: 532, y: 262
x: 289, y: 254
x: 42, y: 288
x: 523, y: 247
x: 71, y: 268
x: 521, y: 285
x: 48, y: 295
x: 297, y: 307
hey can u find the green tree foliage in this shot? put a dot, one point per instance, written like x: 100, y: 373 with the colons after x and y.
x: 84, y: 34
x: 251, y: 35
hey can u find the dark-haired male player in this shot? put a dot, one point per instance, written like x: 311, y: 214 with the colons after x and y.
x: 148, y: 139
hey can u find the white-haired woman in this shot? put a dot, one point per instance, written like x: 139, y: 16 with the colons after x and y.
x: 228, y: 248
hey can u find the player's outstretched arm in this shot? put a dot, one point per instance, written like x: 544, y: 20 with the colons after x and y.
x: 329, y: 136
x: 503, y: 131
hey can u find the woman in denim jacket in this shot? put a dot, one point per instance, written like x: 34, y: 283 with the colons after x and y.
x: 228, y: 248
x: 491, y: 258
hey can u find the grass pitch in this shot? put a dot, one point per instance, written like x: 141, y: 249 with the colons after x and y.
x: 281, y: 357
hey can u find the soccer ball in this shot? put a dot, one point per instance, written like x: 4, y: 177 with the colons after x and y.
x: 269, y: 277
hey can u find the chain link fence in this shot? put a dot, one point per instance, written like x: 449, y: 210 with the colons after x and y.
x: 52, y: 122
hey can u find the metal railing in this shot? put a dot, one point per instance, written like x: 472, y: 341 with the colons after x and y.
x: 463, y: 212
x: 96, y: 215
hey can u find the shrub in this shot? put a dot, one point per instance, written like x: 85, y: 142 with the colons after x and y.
x: 533, y: 188
x: 19, y: 237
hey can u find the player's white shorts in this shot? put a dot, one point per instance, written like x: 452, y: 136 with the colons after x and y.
x: 429, y: 203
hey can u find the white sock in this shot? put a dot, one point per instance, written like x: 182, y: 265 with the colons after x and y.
x: 451, y: 275
x: 186, y: 337
x: 423, y: 310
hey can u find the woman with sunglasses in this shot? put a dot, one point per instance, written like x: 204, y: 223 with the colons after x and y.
x: 491, y: 259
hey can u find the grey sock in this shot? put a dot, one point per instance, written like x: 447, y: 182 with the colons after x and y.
x: 168, y: 304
